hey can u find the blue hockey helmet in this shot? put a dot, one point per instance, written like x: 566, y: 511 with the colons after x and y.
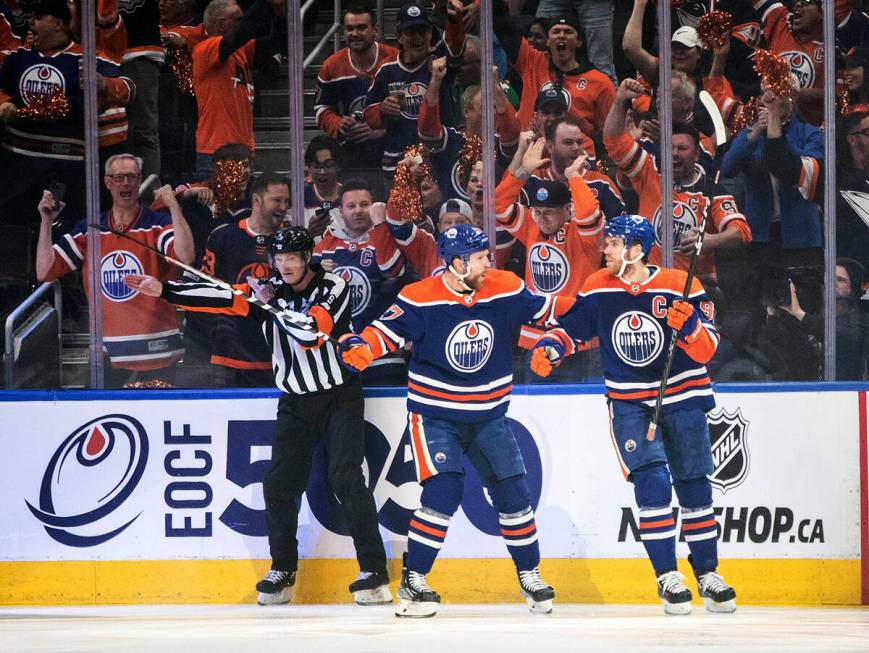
x: 462, y: 240
x: 631, y: 229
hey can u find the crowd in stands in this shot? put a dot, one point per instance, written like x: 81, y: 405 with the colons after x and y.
x: 398, y: 159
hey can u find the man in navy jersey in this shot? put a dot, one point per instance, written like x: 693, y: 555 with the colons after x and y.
x: 630, y: 306
x: 461, y: 324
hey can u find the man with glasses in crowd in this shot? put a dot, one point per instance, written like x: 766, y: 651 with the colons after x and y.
x: 140, y: 333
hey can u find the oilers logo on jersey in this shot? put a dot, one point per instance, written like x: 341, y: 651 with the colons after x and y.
x: 40, y: 82
x: 413, y: 95
x: 360, y: 288
x: 469, y: 345
x: 550, y: 269
x: 113, y: 268
x: 801, y: 67
x: 637, y: 338
x: 684, y: 218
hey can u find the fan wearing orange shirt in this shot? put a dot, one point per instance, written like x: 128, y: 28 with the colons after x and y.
x: 726, y: 226
x: 589, y: 90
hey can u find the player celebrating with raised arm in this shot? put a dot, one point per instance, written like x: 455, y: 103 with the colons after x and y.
x: 461, y: 325
x: 627, y: 305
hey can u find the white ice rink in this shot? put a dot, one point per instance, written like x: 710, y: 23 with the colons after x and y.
x: 457, y: 628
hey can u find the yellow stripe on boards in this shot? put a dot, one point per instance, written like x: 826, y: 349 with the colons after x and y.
x: 806, y: 582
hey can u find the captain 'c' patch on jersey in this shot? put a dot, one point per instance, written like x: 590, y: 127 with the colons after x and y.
x: 113, y: 268
x: 549, y: 267
x: 469, y: 345
x: 637, y: 338
x: 360, y: 288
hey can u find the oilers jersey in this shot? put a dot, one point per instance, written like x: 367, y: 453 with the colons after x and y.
x: 631, y: 322
x: 233, y: 253
x: 401, y: 131
x: 27, y: 76
x: 461, y: 364
x: 139, y: 332
x: 341, y: 86
x: 370, y: 265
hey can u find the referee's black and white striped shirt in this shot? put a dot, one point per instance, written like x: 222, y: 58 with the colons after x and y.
x: 299, y: 365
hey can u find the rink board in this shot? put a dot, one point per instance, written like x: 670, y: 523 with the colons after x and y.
x: 145, y: 497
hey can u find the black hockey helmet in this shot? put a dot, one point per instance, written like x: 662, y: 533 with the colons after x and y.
x: 291, y: 239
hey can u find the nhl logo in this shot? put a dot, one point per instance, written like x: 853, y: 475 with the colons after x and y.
x: 727, y: 433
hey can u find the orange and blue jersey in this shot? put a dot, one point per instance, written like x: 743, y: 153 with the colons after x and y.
x: 372, y: 266
x: 27, y: 76
x: 690, y: 201
x: 139, y: 332
x: 461, y: 365
x: 630, y: 321
x: 341, y: 86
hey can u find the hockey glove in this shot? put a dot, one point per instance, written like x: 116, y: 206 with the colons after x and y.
x: 683, y: 317
x: 547, y: 353
x: 356, y: 354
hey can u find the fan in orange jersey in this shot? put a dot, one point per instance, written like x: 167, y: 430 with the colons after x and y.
x: 727, y: 227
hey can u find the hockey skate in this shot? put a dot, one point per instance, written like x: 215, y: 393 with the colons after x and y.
x: 415, y: 597
x: 371, y: 588
x: 673, y: 593
x: 276, y: 587
x: 537, y: 593
x: 717, y: 595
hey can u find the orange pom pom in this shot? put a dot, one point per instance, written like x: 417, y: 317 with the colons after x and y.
x: 46, y: 109
x: 713, y: 29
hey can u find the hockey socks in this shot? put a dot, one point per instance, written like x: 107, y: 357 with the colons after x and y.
x: 699, y: 530
x: 698, y: 523
x: 441, y: 496
x: 520, y: 533
x: 425, y: 536
x: 653, y: 493
x: 658, y: 533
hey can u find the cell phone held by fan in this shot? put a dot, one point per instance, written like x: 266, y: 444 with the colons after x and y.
x: 58, y: 192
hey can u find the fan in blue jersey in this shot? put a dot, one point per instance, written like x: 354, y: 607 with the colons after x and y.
x: 461, y: 324
x: 629, y: 306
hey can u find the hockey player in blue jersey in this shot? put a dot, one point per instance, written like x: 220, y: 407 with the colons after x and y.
x: 628, y: 305
x: 461, y: 324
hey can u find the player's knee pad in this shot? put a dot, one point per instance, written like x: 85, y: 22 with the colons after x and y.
x: 652, y: 488
x: 510, y: 495
x: 443, y: 493
x: 694, y: 492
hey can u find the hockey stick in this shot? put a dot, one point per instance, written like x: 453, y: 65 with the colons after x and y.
x: 721, y: 133
x: 220, y: 283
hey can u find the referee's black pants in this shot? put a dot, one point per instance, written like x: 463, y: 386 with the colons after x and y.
x: 303, y: 420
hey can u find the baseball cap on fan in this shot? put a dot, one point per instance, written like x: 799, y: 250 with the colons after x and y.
x: 687, y: 36
x: 456, y: 205
x: 546, y: 193
x: 551, y: 95
x: 411, y: 15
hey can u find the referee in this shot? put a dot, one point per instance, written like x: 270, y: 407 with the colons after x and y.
x: 319, y: 399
